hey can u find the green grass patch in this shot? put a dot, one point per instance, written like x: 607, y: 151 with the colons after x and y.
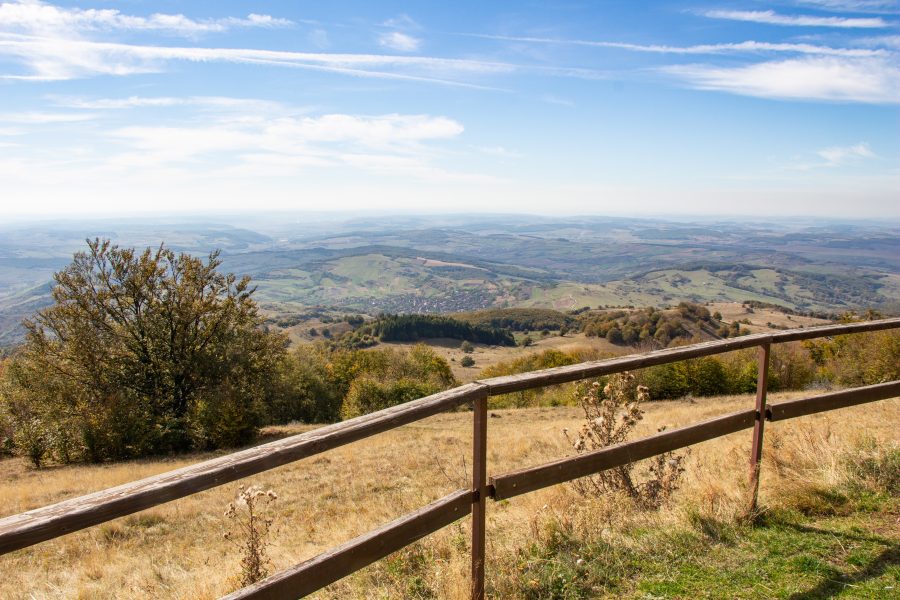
x: 786, y: 555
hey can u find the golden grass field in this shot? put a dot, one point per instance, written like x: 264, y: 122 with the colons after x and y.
x: 177, y: 550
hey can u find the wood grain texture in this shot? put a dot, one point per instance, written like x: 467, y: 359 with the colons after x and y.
x: 479, y: 489
x: 832, y: 401
x: 38, y: 525
x: 534, y: 478
x: 756, y: 448
x: 326, y: 568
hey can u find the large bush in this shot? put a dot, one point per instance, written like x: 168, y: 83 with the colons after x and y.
x: 382, y: 378
x: 861, y: 359
x: 321, y: 383
x: 142, y: 353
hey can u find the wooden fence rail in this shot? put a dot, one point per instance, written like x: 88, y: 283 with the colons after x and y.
x: 41, y: 524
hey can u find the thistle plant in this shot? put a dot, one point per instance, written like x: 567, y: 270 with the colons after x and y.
x: 611, y: 413
x: 250, y: 526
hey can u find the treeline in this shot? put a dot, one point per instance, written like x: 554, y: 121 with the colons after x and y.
x: 312, y: 383
x: 790, y: 311
x: 843, y: 361
x: 518, y: 319
x: 156, y: 353
x: 414, y: 327
x: 655, y: 327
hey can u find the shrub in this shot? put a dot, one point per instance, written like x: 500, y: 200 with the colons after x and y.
x: 610, y: 415
x: 861, y: 359
x: 614, y: 336
x: 368, y: 394
x: 250, y: 530
x: 467, y: 347
x: 531, y: 362
x: 467, y: 361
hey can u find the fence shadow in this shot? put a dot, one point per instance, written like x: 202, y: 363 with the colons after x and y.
x: 832, y: 586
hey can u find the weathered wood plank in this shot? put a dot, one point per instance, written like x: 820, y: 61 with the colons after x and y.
x: 809, y: 333
x: 38, y: 525
x: 326, y: 568
x: 557, y: 375
x: 534, y: 478
x: 832, y: 401
x: 756, y: 448
x: 479, y: 487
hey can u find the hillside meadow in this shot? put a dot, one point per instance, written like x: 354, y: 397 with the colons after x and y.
x: 828, y: 524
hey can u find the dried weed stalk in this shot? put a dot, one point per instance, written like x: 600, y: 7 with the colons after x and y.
x: 250, y: 530
x: 610, y: 415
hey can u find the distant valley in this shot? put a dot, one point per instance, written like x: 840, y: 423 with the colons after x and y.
x: 441, y: 264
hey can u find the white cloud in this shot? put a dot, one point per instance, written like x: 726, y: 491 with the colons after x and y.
x: 890, y: 41
x: 870, y: 80
x: 553, y: 99
x: 399, y: 41
x: 278, y: 143
x: 723, y: 48
x: 241, y: 149
x: 498, y: 151
x: 770, y: 17
x: 43, y: 118
x: 35, y: 16
x: 402, y: 21
x: 55, y: 58
x: 838, y: 155
x: 873, y: 6
x: 219, y: 103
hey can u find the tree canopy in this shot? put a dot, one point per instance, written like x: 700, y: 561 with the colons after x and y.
x: 144, y: 353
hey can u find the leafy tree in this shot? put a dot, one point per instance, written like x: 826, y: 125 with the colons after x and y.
x: 144, y: 353
x: 467, y: 347
x: 614, y: 335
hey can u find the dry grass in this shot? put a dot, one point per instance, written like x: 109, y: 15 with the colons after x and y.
x: 177, y: 550
x: 487, y: 356
x: 735, y: 311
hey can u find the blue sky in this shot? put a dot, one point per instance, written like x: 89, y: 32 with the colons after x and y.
x: 615, y: 107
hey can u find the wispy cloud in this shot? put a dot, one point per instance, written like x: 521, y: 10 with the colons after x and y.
x: 282, y: 144
x: 839, y: 155
x: 54, y: 58
x: 723, y: 48
x: 402, y: 21
x: 36, y: 16
x: 886, y: 41
x: 396, y: 40
x: 42, y: 118
x: 869, y: 6
x: 770, y: 17
x: 868, y: 80
x: 203, y: 147
x: 222, y: 103
x: 553, y: 99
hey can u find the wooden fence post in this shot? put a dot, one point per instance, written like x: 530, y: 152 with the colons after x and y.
x: 479, y: 488
x: 762, y: 377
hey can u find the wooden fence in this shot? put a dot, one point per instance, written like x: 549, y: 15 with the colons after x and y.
x: 41, y: 524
